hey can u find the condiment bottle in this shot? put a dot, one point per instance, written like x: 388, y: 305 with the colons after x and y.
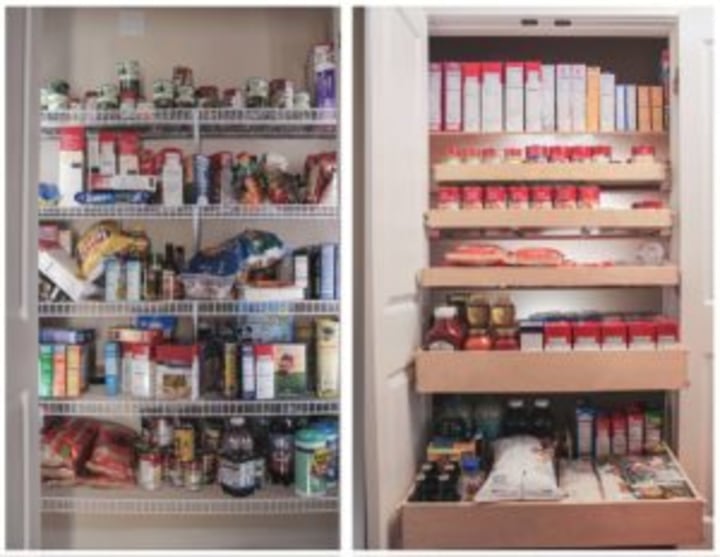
x: 502, y: 312
x: 446, y: 332
x: 471, y: 479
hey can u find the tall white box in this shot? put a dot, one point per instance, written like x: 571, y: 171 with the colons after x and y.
x: 533, y: 97
x: 547, y: 116
x: 514, y: 97
x: 563, y: 94
x: 491, y: 98
x: 631, y: 108
x: 71, y: 164
x: 471, y: 96
x: 620, y: 121
x: 578, y: 90
x: 435, y: 94
x: 453, y: 96
x: 607, y: 102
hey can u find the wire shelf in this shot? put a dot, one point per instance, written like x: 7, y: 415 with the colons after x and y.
x: 185, y: 122
x: 271, y: 500
x: 96, y: 403
x: 187, y: 308
x: 208, y: 212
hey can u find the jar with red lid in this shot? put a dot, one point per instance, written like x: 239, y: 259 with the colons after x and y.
x: 586, y: 335
x: 495, y: 197
x: 667, y: 332
x: 580, y: 153
x: 642, y: 335
x: 642, y: 153
x: 557, y: 336
x: 448, y: 197
x: 558, y: 154
x: 472, y: 197
x: 541, y: 197
x: 490, y: 155
x: 518, y: 197
x: 601, y: 153
x: 588, y: 197
x: 565, y: 197
x: 506, y: 338
x: 513, y: 155
x: 472, y: 155
x: 453, y: 155
x: 446, y: 332
x: 536, y: 153
x: 613, y: 335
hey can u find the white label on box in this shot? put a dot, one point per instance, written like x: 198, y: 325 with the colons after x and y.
x: 471, y: 104
x: 453, y: 97
x: 435, y: 80
x: 630, y: 108
x: 548, y: 97
x: 579, y: 97
x: 132, y: 183
x: 620, y: 123
x: 514, y: 97
x: 563, y: 92
x: 533, y: 101
x: 607, y: 102
x: 492, y: 101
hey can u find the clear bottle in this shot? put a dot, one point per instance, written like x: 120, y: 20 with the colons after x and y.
x: 237, y: 467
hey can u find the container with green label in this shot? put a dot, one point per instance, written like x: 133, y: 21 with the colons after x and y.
x: 312, y: 459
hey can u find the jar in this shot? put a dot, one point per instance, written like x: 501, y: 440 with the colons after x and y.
x: 531, y: 336
x: 536, y: 153
x: 601, y: 153
x: 506, y: 338
x: 471, y: 479
x: 642, y: 154
x: 565, y: 197
x: 208, y: 96
x: 472, y: 197
x: 446, y: 332
x: 193, y: 475
x: 502, y: 313
x: 301, y: 100
x: 453, y: 155
x: 312, y: 458
x: 281, y: 93
x: 518, y: 197
x: 557, y: 336
x: 176, y: 473
x: 163, y: 93
x: 513, y: 155
x: 495, y: 197
x: 478, y: 311
x: 588, y: 197
x: 541, y: 197
x: 490, y: 155
x: 163, y: 432
x: 580, y: 153
x: 472, y: 156
x: 256, y: 92
x: 613, y: 335
x: 641, y: 335
x: 448, y: 197
x: 150, y: 470
x: 558, y: 154
x: 489, y: 418
x: 516, y: 421
x: 478, y: 339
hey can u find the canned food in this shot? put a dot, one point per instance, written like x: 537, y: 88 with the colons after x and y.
x: 565, y: 197
x: 518, y: 197
x: 541, y: 197
x: 495, y: 197
x: 301, y: 101
x: 184, y: 443
x: 281, y: 93
x: 472, y: 197
x: 588, y: 197
x: 150, y: 470
x: 448, y: 197
x: 257, y: 92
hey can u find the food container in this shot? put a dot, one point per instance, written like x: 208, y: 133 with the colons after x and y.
x: 208, y: 96
x: 518, y: 197
x: 502, y: 313
x: 602, y: 436
x: 163, y: 93
x: 281, y: 93
x: 312, y: 459
x: 667, y: 333
x: 185, y: 96
x: 557, y: 336
x: 635, y: 426
x: 301, y: 101
x: 613, y: 335
x: 642, y: 154
x: 648, y: 204
x: 586, y: 335
x: 478, y: 339
x: 601, y: 153
x: 472, y: 197
x: 453, y: 155
x: 618, y: 432
x: 207, y: 287
x: 257, y: 92
x: 531, y: 336
x: 490, y: 155
x: 565, y: 197
x: 150, y: 470
x: 541, y: 197
x: 536, y: 153
x: 495, y: 197
x: 580, y: 153
x: 193, y: 475
x: 477, y: 312
x: 513, y: 155
x: 472, y: 155
x: 448, y: 197
x: 506, y: 338
x: 642, y: 335
x: 184, y: 442
x: 588, y: 197
x: 182, y: 76
x: 558, y: 154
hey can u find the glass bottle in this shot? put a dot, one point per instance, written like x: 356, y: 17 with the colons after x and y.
x: 236, y: 467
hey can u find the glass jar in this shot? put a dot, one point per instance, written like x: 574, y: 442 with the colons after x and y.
x: 446, y: 332
x: 502, y: 313
x: 518, y: 197
x: 471, y: 478
x: 506, y: 338
x: 478, y: 311
x: 601, y: 153
x: 536, y: 153
x: 558, y: 154
x: 642, y: 154
x: 541, y: 197
x: 489, y: 418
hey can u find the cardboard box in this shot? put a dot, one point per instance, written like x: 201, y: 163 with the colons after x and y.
x: 620, y: 118
x: 514, y: 97
x: 548, y: 97
x: 108, y: 159
x: 71, y: 164
x: 290, y: 370
x: 74, y: 372
x: 607, y: 102
x: 471, y: 96
x: 578, y: 92
x: 631, y: 108
x: 491, y: 99
x: 533, y: 96
x: 452, y: 91
x: 643, y: 108
x: 656, y: 109
x: 435, y: 82
x: 46, y: 370
x: 62, y: 270
x: 129, y: 149
x: 592, y: 102
x: 59, y: 371
x: 564, y: 96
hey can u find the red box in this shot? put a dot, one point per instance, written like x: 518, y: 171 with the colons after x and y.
x: 557, y: 332
x: 586, y: 331
x: 613, y: 332
x: 452, y: 96
x: 181, y: 353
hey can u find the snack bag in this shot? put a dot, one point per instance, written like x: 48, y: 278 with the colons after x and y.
x: 97, y: 242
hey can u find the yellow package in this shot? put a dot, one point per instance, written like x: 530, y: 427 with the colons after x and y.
x: 97, y: 242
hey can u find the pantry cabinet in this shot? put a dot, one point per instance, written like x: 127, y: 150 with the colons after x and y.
x: 406, y: 237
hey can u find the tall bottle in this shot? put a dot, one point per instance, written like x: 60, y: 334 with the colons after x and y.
x: 168, y: 273
x: 247, y: 365
x: 237, y: 467
x: 281, y: 450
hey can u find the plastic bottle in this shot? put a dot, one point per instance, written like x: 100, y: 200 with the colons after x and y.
x: 281, y: 451
x: 446, y: 332
x: 471, y: 478
x: 237, y: 468
x: 247, y: 366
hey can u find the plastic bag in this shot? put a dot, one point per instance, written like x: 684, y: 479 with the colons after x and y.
x: 68, y: 443
x: 97, y: 242
x: 114, y: 453
x: 523, y: 470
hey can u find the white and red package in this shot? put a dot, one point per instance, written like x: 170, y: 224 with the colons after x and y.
x: 71, y: 164
x: 558, y: 154
x: 452, y: 96
x: 476, y: 254
x: 586, y: 335
x: 113, y: 455
x: 668, y: 334
x: 448, y: 197
x: 129, y: 151
x: 541, y: 197
x: 537, y: 257
x: 436, y: 85
x: 473, y: 197
x: 495, y: 197
x: 565, y: 197
x: 557, y: 336
x: 518, y: 197
x: 613, y: 335
x: 471, y: 96
x: 642, y: 335
x: 491, y: 99
x: 588, y: 197
x: 514, y: 97
x: 533, y: 96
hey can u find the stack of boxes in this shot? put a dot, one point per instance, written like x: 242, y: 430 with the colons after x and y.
x: 66, y: 361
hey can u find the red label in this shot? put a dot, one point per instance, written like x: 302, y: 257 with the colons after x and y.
x: 72, y: 139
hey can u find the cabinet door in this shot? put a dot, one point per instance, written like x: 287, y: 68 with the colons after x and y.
x: 22, y: 471
x: 692, y: 127
x: 396, y: 190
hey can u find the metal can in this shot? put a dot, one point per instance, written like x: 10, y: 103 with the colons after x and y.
x: 257, y: 92
x: 167, y: 459
x: 176, y: 473
x: 150, y: 470
x: 230, y: 382
x: 193, y: 475
x: 211, y: 436
x: 209, y: 467
x: 184, y: 443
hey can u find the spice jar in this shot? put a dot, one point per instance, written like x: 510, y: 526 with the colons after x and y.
x: 446, y: 332
x: 601, y: 153
x: 513, y: 155
x: 565, y: 197
x: 580, y: 153
x: 557, y: 336
x: 588, y: 197
x: 642, y: 154
x: 613, y: 335
x: 667, y: 333
x: 586, y: 335
x: 502, y: 313
x: 257, y: 93
x: 558, y: 154
x: 518, y: 197
x: 541, y: 197
x: 478, y: 339
x: 490, y: 155
x: 472, y: 197
x: 536, y: 153
x: 453, y: 155
x: 495, y: 197
x: 448, y: 197
x: 472, y: 156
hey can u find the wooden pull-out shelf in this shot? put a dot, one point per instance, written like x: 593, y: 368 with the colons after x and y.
x: 549, y: 277
x: 602, y: 173
x: 651, y: 219
x: 552, y: 372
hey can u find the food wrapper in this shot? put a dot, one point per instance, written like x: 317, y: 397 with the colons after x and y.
x: 97, y: 242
